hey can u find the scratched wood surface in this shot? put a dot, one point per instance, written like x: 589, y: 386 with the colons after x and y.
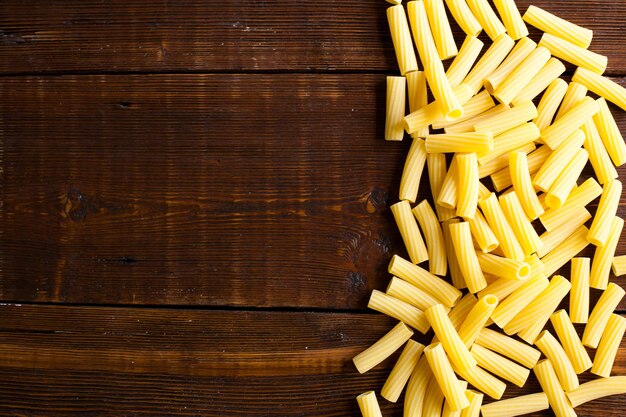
x: 194, y: 204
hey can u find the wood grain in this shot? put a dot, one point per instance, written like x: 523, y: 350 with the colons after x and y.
x: 82, y: 361
x: 196, y: 35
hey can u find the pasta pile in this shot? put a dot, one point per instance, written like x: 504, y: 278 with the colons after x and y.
x: 504, y: 247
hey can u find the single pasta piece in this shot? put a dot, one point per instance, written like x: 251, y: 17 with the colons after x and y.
x: 523, y: 229
x: 476, y: 105
x: 368, y: 404
x: 522, y: 184
x: 476, y: 319
x: 609, y: 133
x: 549, y: 103
x: 567, y: 51
x: 429, y: 224
x: 399, y: 310
x: 441, y: 31
x: 464, y: 250
x: 408, y: 230
x: 448, y: 382
x: 476, y: 400
x: 418, y: 97
x: 522, y: 49
x: 602, y: 86
x: 511, y: 306
x: 396, y: 95
x: 508, y: 347
x: 464, y: 126
x: 501, y: 228
x: 574, y: 95
x: 565, y: 182
x: 462, y: 64
x: 410, y: 294
x: 500, y: 366
x: 461, y: 142
x: 420, y: 119
x: 552, y: 239
x: 464, y: 17
x: 402, y: 371
x: 579, y: 295
x: 560, y: 130
x: 521, y: 75
x: 555, y: 353
x: 566, y: 250
x: 412, y: 173
x: 513, y: 117
x: 490, y: 60
x: 448, y: 195
x: 458, y: 354
x: 509, y: 141
x: 416, y: 388
x: 550, y: 385
x: 531, y: 333
x: 600, y: 314
x: 578, y: 199
x: 501, y: 287
x: 455, y: 270
x: 383, y: 348
x: 487, y: 18
x: 551, y: 71
x: 436, y: 174
x: 601, y: 267
x: 558, y: 160
x: 447, y: 407
x: 511, y: 18
x: 502, y: 161
x: 503, y: 267
x: 401, y: 38
x: 619, y: 265
x: 460, y: 311
x: 570, y: 341
x: 483, y: 381
x: 468, y: 185
x: 600, y: 229
x: 502, y: 179
x: 609, y: 344
x: 524, y: 404
x: 547, y: 22
x: 598, y: 388
x: 433, y: 399
x: 598, y: 155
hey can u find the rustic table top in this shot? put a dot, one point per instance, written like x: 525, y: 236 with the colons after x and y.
x: 194, y: 204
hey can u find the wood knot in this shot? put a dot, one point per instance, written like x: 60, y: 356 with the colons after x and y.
x: 376, y: 201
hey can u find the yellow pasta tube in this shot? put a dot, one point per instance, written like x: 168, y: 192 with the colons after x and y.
x: 460, y: 311
x: 468, y: 185
x: 436, y: 174
x: 402, y: 370
x: 513, y: 117
x: 580, y: 197
x: 455, y: 270
x: 476, y: 319
x: 490, y: 60
x: 447, y: 407
x: 500, y: 366
x: 483, y: 381
x: 600, y: 229
x: 457, y: 352
x: 448, y: 382
x: 524, y: 404
x: 549, y: 23
x: 440, y: 26
x: 429, y: 224
x: 597, y: 388
x: 448, y: 195
x: 463, y: 62
x: 555, y: 237
x: 522, y: 184
x: 558, y: 160
x: 579, y: 295
x: 565, y: 182
x: 502, y: 161
x: 461, y: 142
x: 548, y: 73
x: 502, y: 179
x: 487, y: 18
x: 550, y: 385
x: 383, y: 348
x: 464, y: 17
x: 433, y: 399
x: 476, y: 400
x: 512, y: 85
x: 418, y: 97
x: 531, y: 333
x: 464, y: 249
x: 410, y: 294
x: 523, y: 229
x: 549, y: 103
x: 574, y: 95
x: 464, y: 126
x: 399, y: 310
x: 602, y: 86
x: 416, y: 388
x: 368, y: 404
x: 522, y: 49
x: 501, y: 288
x: 476, y: 105
x: 609, y: 133
x: 503, y: 267
x: 619, y: 265
x: 601, y: 267
x: 421, y: 30
x: 418, y: 120
x: 567, y: 51
x: 410, y: 233
x: 560, y: 130
x: 396, y: 95
x: 501, y: 228
x: 412, y: 173
x: 598, y: 156
x: 401, y: 38
x: 511, y: 18
x: 424, y: 280
x: 570, y: 341
x: 511, y: 306
x: 566, y: 250
x: 555, y: 353
x: 508, y: 347
x: 509, y: 141
x: 600, y: 314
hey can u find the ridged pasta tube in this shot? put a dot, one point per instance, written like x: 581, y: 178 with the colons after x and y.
x: 551, y: 71
x: 476, y: 400
x: 619, y: 265
x: 502, y: 179
x: 579, y: 294
x: 600, y: 229
x: 490, y: 60
x: 501, y: 228
x: 402, y: 371
x: 500, y: 366
x: 566, y: 250
x: 578, y: 199
x: 567, y: 51
x: 468, y: 185
x: 501, y: 288
x: 416, y: 388
x: 597, y: 388
x: 609, y: 345
x: 437, y: 259
x: 412, y: 173
x: 508, y: 347
x: 476, y: 105
x: 511, y: 407
x: 408, y: 230
x: 549, y: 382
x: 426, y: 115
x: 555, y: 353
x: 464, y: 126
x: 399, y: 310
x: 464, y: 249
x: 368, y: 404
x: 433, y: 399
x: 502, y: 161
x: 483, y: 381
x: 401, y: 38
x: 574, y: 95
x: 458, y: 354
x: 521, y: 75
x: 487, y: 18
x: 565, y: 182
x: 464, y: 17
x: 461, y: 142
x: 558, y: 160
x: 409, y: 293
x: 440, y: 26
x: 448, y: 195
x: 396, y: 96
x: 511, y: 18
x: 570, y: 341
x: 436, y: 175
x: 509, y: 119
x: 460, y: 311
x: 476, y: 319
x: 552, y: 239
x: 598, y: 156
x: 383, y: 348
x: 418, y: 98
x: 511, y: 306
x: 601, y: 267
x: 455, y: 270
x: 549, y: 103
x: 509, y: 141
x: 609, y: 133
x: 448, y: 382
x: 463, y: 62
x: 547, y: 22
x: 447, y: 407
x: 523, y: 229
x: 560, y: 130
x: 600, y: 314
x: 520, y: 51
x: 503, y: 267
x: 522, y: 184
x: 602, y: 86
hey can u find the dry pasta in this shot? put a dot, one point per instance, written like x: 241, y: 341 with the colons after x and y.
x: 549, y: 103
x: 460, y: 311
x: 600, y: 229
x: 502, y: 179
x: 522, y: 228
x: 448, y: 382
x: 460, y: 142
x: 574, y: 95
x: 418, y: 97
x: 570, y: 341
x: 598, y: 156
x: 396, y: 96
x: 509, y: 141
x: 492, y: 57
x: 509, y: 119
x: 567, y: 51
x: 552, y: 239
x: 402, y: 370
x: 401, y: 38
x: 412, y: 173
x: 447, y: 407
x: 478, y: 104
x: 508, y: 347
x: 458, y: 354
x: 437, y: 259
x: 609, y: 344
x: 502, y: 161
x: 595, y: 389
x: 524, y: 404
x: 521, y: 75
x: 404, y: 291
x: 483, y: 381
x: 476, y: 319
x: 600, y: 314
x: 560, y: 130
x: 408, y: 230
x: 548, y: 73
x: 558, y: 160
x: 565, y: 182
x: 501, y: 228
x: 609, y: 133
x: 555, y: 353
x: 455, y: 270
x: 569, y: 248
x: 464, y: 126
x: 580, y: 197
x: 399, y: 310
x: 468, y: 185
x: 433, y: 399
x: 501, y: 287
x: 416, y: 388
x: 463, y: 62
x: 511, y: 18
x: 436, y: 174
x: 602, y: 86
x: 579, y: 295
x: 487, y: 18
x: 601, y: 266
x: 503, y: 267
x: 550, y: 385
x: 511, y: 306
x: 368, y: 404
x: 476, y: 400
x: 500, y: 366
x: 618, y: 265
x: 383, y: 348
x: 440, y: 26
x: 447, y: 196
x: 420, y: 119
x: 520, y: 51
x: 523, y: 186
x: 464, y: 17
x: 549, y: 23
x: 464, y: 250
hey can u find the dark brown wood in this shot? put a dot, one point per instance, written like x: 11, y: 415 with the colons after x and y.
x: 120, y: 35
x: 66, y: 361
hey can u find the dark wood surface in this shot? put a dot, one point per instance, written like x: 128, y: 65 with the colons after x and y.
x: 194, y: 204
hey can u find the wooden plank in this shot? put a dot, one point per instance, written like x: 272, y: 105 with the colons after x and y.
x: 241, y: 190
x: 62, y: 361
x: 197, y: 35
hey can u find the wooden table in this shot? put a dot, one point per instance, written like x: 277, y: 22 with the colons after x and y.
x: 194, y: 204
